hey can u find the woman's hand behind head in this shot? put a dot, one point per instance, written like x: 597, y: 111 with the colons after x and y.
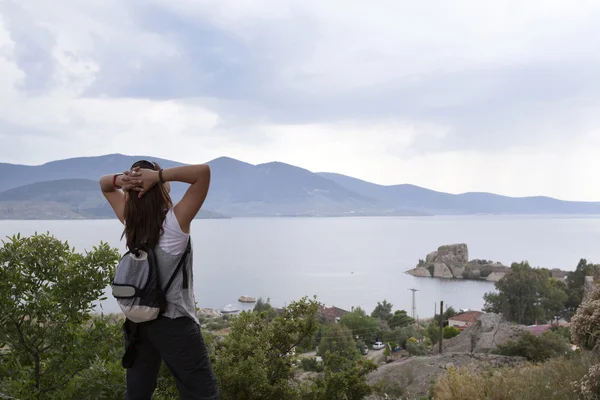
x: 148, y: 179
x: 130, y: 181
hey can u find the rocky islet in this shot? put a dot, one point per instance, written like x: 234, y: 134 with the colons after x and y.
x: 452, y: 262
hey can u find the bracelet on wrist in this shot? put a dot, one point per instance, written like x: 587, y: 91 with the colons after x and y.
x: 160, y: 176
x: 115, y: 181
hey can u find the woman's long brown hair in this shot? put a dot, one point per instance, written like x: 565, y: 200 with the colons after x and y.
x: 144, y: 216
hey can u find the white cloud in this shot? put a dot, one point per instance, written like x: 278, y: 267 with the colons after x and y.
x: 456, y: 96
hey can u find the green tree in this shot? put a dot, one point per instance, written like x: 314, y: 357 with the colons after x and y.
x: 575, y: 284
x: 361, y: 325
x: 554, y: 297
x: 343, y: 378
x: 526, y: 295
x: 402, y: 334
x: 338, y: 339
x: 265, y: 307
x: 400, y: 319
x: 361, y: 346
x: 47, y: 292
x: 450, y: 331
x: 433, y: 332
x: 449, y: 313
x: 383, y: 311
x: 253, y: 360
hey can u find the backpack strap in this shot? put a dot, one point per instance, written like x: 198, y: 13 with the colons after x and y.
x: 179, y: 266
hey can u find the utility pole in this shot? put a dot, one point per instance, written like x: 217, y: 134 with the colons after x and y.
x: 414, y: 306
x: 441, y: 324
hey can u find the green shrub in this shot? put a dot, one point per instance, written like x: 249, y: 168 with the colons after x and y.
x: 450, y: 332
x: 486, y: 271
x: 311, y: 364
x: 416, y: 349
x: 536, y: 348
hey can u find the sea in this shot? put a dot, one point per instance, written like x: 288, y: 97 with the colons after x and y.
x: 347, y: 262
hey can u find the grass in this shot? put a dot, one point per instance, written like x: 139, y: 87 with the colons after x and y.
x: 549, y: 380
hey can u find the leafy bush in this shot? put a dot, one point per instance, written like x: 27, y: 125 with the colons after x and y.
x: 311, y: 364
x: 585, y: 324
x: 401, y: 335
x: 450, y: 332
x: 393, y: 388
x: 217, y: 325
x: 564, y: 332
x: 415, y: 348
x: 588, y: 387
x: 361, y: 346
x: 536, y: 348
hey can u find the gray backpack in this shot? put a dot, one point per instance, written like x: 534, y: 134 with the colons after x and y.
x: 137, y: 287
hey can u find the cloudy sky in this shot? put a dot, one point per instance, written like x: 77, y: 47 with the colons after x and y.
x: 457, y: 96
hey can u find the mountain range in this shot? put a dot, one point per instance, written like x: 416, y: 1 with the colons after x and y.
x: 68, y: 189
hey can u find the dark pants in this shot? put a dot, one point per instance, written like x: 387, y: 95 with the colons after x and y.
x: 180, y: 344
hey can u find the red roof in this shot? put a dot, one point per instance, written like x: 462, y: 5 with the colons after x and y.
x: 332, y: 312
x: 469, y: 317
x: 537, y: 329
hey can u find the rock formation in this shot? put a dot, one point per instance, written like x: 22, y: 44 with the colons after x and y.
x: 208, y: 312
x: 495, y: 276
x: 483, y: 336
x: 453, y: 254
x: 421, y: 272
x: 431, y: 257
x: 441, y: 270
x: 415, y: 374
x: 452, y: 261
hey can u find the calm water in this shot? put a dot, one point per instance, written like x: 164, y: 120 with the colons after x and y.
x: 348, y: 261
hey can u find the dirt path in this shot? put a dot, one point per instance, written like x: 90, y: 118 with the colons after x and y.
x: 375, y: 355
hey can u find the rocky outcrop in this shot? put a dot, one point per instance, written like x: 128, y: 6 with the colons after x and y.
x: 415, y: 374
x: 495, y: 276
x: 247, y: 299
x: 420, y: 272
x: 452, y: 261
x: 485, y: 335
x: 441, y: 270
x: 431, y: 257
x: 458, y: 271
x: 208, y: 312
x: 453, y: 254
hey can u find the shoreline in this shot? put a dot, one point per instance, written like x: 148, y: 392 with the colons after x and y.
x: 268, y: 216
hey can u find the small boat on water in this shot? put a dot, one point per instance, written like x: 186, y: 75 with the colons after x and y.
x: 228, y: 309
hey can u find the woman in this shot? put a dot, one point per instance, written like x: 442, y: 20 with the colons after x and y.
x: 145, y: 208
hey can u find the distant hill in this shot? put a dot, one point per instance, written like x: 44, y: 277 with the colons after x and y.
x: 70, y: 188
x: 14, y: 175
x: 61, y: 199
x: 278, y: 189
x: 439, y: 203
